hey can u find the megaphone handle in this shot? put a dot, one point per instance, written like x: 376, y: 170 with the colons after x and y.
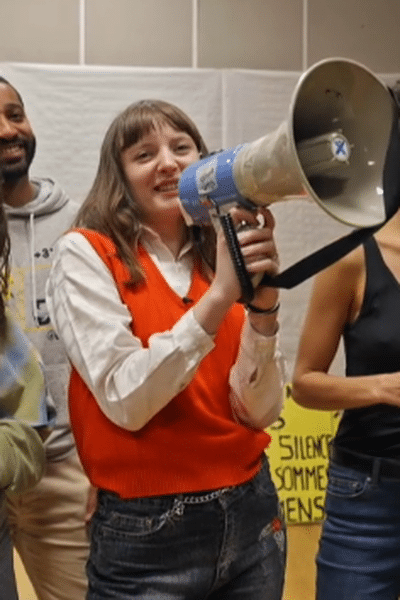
x: 237, y: 258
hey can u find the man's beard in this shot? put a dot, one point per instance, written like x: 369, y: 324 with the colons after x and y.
x: 12, y: 172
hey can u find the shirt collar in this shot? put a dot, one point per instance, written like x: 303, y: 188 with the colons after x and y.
x: 154, y: 244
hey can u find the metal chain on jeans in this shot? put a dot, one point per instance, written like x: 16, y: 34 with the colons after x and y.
x: 179, y: 502
x: 205, y: 498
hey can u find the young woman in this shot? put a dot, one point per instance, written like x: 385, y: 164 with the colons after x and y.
x: 172, y: 384
x: 25, y: 416
x: 358, y: 299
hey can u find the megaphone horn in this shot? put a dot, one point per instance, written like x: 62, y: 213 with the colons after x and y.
x: 331, y: 149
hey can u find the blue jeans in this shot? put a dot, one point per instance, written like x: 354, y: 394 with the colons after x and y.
x: 227, y: 544
x: 359, y: 555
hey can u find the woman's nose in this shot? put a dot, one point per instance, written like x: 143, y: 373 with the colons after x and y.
x: 167, y: 159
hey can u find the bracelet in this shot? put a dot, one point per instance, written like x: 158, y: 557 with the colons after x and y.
x: 263, y: 311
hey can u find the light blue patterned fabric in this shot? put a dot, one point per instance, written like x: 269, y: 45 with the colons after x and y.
x: 23, y: 395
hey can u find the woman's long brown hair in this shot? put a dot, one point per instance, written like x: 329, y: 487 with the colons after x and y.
x: 109, y: 207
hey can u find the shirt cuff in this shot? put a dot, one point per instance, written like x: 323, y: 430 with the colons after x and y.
x: 255, y: 343
x: 189, y: 333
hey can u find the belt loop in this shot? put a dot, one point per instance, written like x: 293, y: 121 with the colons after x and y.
x: 376, y: 467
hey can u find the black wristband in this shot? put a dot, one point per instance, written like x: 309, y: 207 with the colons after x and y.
x: 263, y: 311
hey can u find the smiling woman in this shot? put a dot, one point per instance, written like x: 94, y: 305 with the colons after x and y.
x: 163, y: 388
x: 152, y: 168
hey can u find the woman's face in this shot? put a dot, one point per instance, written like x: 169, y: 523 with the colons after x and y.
x: 152, y: 168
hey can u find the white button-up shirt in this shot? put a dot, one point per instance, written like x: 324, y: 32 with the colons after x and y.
x: 132, y: 383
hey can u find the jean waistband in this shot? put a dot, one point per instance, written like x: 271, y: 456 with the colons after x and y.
x: 371, y: 465
x: 198, y: 497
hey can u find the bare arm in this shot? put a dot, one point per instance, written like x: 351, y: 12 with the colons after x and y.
x: 335, y: 300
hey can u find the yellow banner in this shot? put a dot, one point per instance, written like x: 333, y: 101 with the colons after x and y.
x: 298, y: 456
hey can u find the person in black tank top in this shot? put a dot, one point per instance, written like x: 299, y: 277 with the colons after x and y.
x: 358, y: 299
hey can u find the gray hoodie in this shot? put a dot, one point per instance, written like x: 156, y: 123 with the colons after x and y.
x: 34, y: 228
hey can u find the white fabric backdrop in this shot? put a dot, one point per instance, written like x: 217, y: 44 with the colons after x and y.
x: 70, y: 108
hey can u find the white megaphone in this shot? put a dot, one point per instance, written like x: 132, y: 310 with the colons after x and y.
x: 331, y: 150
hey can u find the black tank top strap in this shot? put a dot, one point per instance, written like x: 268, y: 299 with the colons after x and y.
x: 376, y: 268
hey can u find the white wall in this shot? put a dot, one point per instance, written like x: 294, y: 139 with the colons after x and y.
x: 245, y: 34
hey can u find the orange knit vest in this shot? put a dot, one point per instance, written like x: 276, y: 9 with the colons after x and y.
x: 194, y: 443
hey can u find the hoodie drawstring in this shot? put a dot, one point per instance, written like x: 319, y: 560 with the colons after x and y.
x: 33, y: 271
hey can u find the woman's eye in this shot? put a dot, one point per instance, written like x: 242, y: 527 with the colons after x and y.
x: 143, y: 156
x: 183, y: 148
